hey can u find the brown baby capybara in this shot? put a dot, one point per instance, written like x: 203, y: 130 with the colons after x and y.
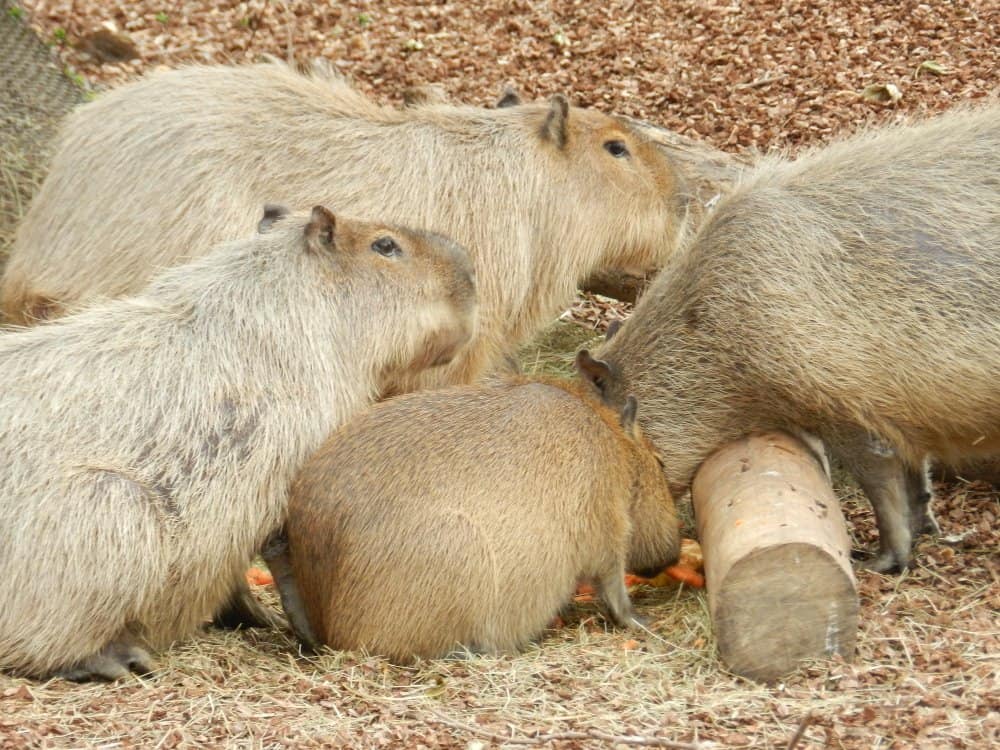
x: 463, y: 518
x: 148, y: 443
x: 852, y: 294
x: 541, y: 194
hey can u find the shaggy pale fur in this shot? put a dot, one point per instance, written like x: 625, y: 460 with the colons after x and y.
x: 149, y: 442
x: 463, y: 517
x: 184, y: 159
x: 851, y: 293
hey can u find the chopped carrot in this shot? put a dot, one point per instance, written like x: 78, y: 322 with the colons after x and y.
x: 258, y: 577
x: 630, y: 645
x: 685, y: 575
x: 585, y: 589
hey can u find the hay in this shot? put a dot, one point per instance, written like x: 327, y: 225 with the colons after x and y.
x: 926, y: 675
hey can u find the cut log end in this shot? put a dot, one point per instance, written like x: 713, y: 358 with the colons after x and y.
x: 777, y: 557
x: 782, y: 605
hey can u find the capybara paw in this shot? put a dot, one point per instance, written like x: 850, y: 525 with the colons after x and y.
x: 638, y: 622
x: 886, y: 561
x: 113, y: 662
x: 926, y: 524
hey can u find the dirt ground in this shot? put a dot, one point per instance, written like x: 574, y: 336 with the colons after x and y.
x: 740, y: 75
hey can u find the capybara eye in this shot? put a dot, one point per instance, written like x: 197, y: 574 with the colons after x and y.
x: 617, y: 149
x: 387, y: 247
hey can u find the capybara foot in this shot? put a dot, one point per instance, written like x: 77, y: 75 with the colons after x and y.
x: 113, y: 662
x: 276, y: 555
x: 614, y: 597
x: 886, y: 561
x: 242, y: 610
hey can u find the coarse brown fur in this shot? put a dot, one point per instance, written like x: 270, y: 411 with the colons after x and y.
x: 149, y: 442
x: 463, y: 517
x: 185, y: 158
x: 851, y: 293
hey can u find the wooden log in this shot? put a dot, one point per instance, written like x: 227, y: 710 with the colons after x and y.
x: 777, y: 557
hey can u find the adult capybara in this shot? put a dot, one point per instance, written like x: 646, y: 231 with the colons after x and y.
x: 852, y: 294
x: 463, y: 517
x: 149, y: 442
x: 541, y: 194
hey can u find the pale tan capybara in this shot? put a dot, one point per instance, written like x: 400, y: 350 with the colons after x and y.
x: 462, y: 518
x: 149, y: 442
x: 541, y: 194
x: 852, y: 294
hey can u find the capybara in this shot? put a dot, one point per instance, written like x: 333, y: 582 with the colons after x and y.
x: 541, y: 194
x: 852, y: 294
x: 149, y: 442
x: 463, y: 518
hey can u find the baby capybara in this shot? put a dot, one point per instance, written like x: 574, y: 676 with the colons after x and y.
x: 463, y: 518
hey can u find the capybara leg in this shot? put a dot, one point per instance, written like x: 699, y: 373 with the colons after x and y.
x: 614, y: 596
x: 242, y: 610
x: 818, y: 449
x: 275, y: 554
x: 886, y: 481
x: 118, y: 659
x: 921, y: 493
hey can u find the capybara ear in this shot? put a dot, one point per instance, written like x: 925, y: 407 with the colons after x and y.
x: 595, y: 371
x: 629, y: 411
x: 320, y: 230
x: 613, y: 327
x: 556, y: 125
x: 508, y: 97
x: 272, y: 213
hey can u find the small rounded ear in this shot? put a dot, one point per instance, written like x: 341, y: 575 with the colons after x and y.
x: 628, y: 414
x: 613, y: 327
x: 508, y: 97
x: 556, y: 125
x: 272, y: 213
x: 594, y: 371
x: 320, y: 230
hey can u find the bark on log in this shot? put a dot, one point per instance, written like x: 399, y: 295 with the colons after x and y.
x: 777, y: 557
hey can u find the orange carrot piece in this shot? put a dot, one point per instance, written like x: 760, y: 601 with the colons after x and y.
x: 258, y: 577
x: 685, y: 575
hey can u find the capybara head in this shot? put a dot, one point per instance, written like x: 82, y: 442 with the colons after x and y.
x: 613, y: 387
x: 620, y: 182
x: 424, y: 283
x: 655, y: 540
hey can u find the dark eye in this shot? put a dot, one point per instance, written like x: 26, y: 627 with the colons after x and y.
x: 617, y: 149
x: 387, y: 247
